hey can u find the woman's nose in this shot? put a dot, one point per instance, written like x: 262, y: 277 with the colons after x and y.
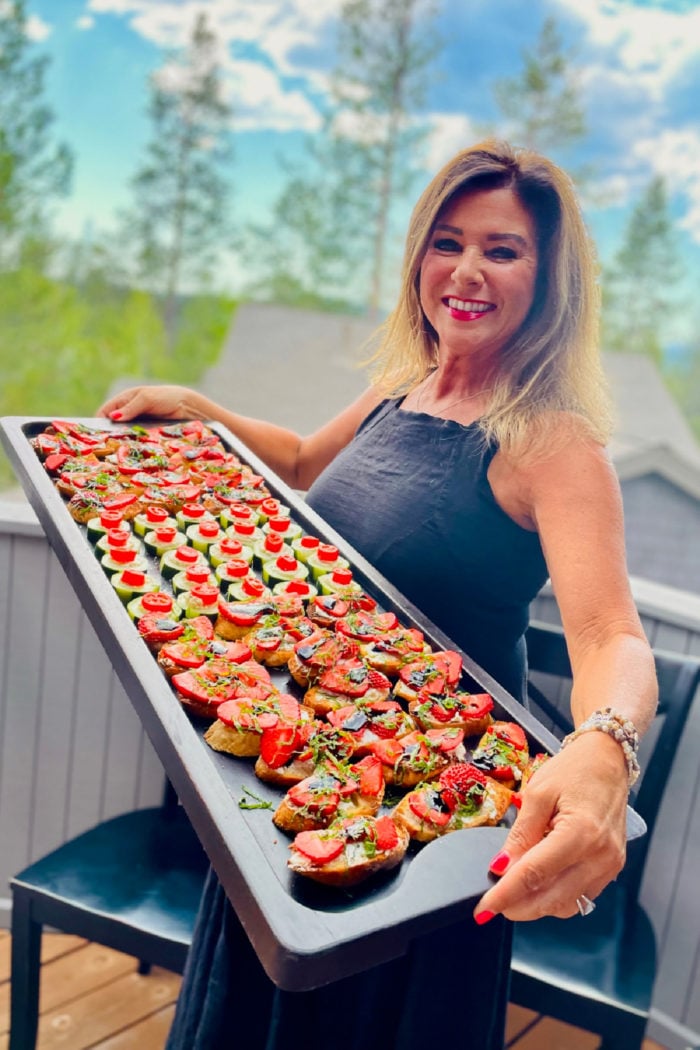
x: 468, y: 269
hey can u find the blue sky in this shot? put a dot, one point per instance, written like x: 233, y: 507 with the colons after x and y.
x: 639, y: 63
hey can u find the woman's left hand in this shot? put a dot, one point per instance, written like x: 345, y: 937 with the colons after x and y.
x: 569, y: 837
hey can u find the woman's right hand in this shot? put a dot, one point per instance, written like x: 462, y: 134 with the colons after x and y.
x: 163, y: 402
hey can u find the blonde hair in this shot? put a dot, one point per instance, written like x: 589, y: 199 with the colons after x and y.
x: 552, y: 364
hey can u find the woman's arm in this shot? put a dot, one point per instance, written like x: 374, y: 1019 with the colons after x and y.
x: 297, y: 460
x: 569, y: 837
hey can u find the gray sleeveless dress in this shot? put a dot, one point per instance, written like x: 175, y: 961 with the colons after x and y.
x: 410, y: 493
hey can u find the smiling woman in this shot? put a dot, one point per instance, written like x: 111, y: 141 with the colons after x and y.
x: 477, y: 284
x: 469, y: 471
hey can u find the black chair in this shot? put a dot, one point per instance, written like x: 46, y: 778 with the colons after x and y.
x: 132, y: 883
x: 598, y: 972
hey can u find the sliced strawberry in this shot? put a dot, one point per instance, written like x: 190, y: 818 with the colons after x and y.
x: 244, y: 614
x: 204, y: 691
x: 201, y: 626
x: 371, y: 775
x: 318, y: 846
x: 119, y: 502
x: 450, y: 663
x: 331, y: 605
x: 348, y: 677
x: 441, y: 713
x: 268, y: 719
x: 184, y: 654
x: 377, y: 680
x: 461, y: 776
x: 234, y: 652
x: 387, y: 835
x: 445, y: 739
x: 155, y: 628
x: 317, y: 794
x: 278, y: 744
x: 478, y: 705
x: 240, y: 713
x: 55, y: 461
x: 422, y: 804
x: 510, y: 733
x: 387, y: 751
x: 289, y: 706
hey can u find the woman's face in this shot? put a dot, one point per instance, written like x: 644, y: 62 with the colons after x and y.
x: 477, y: 278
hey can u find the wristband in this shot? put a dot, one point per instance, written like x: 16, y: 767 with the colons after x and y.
x: 608, y: 720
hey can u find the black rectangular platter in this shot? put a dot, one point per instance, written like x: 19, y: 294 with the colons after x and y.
x: 305, y: 935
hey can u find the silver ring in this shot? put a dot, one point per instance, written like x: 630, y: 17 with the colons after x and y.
x: 585, y: 905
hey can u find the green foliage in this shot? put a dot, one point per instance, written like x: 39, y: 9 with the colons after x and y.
x: 62, y: 346
x: 33, y: 169
x: 542, y: 102
x: 638, y: 287
x: 332, y: 222
x: 179, y: 220
x: 203, y: 325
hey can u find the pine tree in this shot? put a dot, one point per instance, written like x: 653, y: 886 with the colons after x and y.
x: 334, y: 217
x: 180, y: 216
x: 33, y: 168
x: 542, y: 103
x: 638, y: 287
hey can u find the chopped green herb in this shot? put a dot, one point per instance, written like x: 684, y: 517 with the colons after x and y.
x: 257, y: 803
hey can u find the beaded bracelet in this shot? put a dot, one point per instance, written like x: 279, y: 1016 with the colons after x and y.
x: 608, y: 720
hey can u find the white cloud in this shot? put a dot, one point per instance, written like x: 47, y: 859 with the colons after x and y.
x: 259, y: 101
x: 276, y: 28
x: 36, y: 29
x: 675, y: 154
x: 650, y: 44
x: 449, y: 133
x: 85, y: 22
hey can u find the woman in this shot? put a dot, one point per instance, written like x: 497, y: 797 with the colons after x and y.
x: 476, y: 459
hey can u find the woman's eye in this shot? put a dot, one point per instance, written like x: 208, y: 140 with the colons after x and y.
x: 502, y: 252
x: 447, y: 244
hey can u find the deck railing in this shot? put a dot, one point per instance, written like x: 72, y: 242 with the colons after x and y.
x: 72, y: 750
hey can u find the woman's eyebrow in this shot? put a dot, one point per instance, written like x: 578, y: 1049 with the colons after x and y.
x: 507, y: 237
x: 489, y: 237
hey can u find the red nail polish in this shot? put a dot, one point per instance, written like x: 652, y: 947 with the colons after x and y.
x: 482, y: 917
x: 115, y: 415
x: 499, y: 863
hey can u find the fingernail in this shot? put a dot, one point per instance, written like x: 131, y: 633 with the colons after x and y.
x: 499, y: 863
x: 516, y: 800
x: 115, y: 414
x: 482, y: 917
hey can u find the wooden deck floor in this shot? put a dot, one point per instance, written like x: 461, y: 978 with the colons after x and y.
x: 92, y: 998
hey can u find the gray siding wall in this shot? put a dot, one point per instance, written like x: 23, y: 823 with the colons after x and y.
x: 669, y: 890
x: 72, y: 750
x: 662, y: 532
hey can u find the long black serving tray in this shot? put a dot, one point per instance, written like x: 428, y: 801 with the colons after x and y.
x: 305, y: 935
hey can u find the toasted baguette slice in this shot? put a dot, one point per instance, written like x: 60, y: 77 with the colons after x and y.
x: 355, y: 862
x: 333, y: 791
x: 243, y: 743
x: 422, y: 828
x: 284, y: 776
x: 291, y: 818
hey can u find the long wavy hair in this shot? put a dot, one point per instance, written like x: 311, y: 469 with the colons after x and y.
x: 552, y: 363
